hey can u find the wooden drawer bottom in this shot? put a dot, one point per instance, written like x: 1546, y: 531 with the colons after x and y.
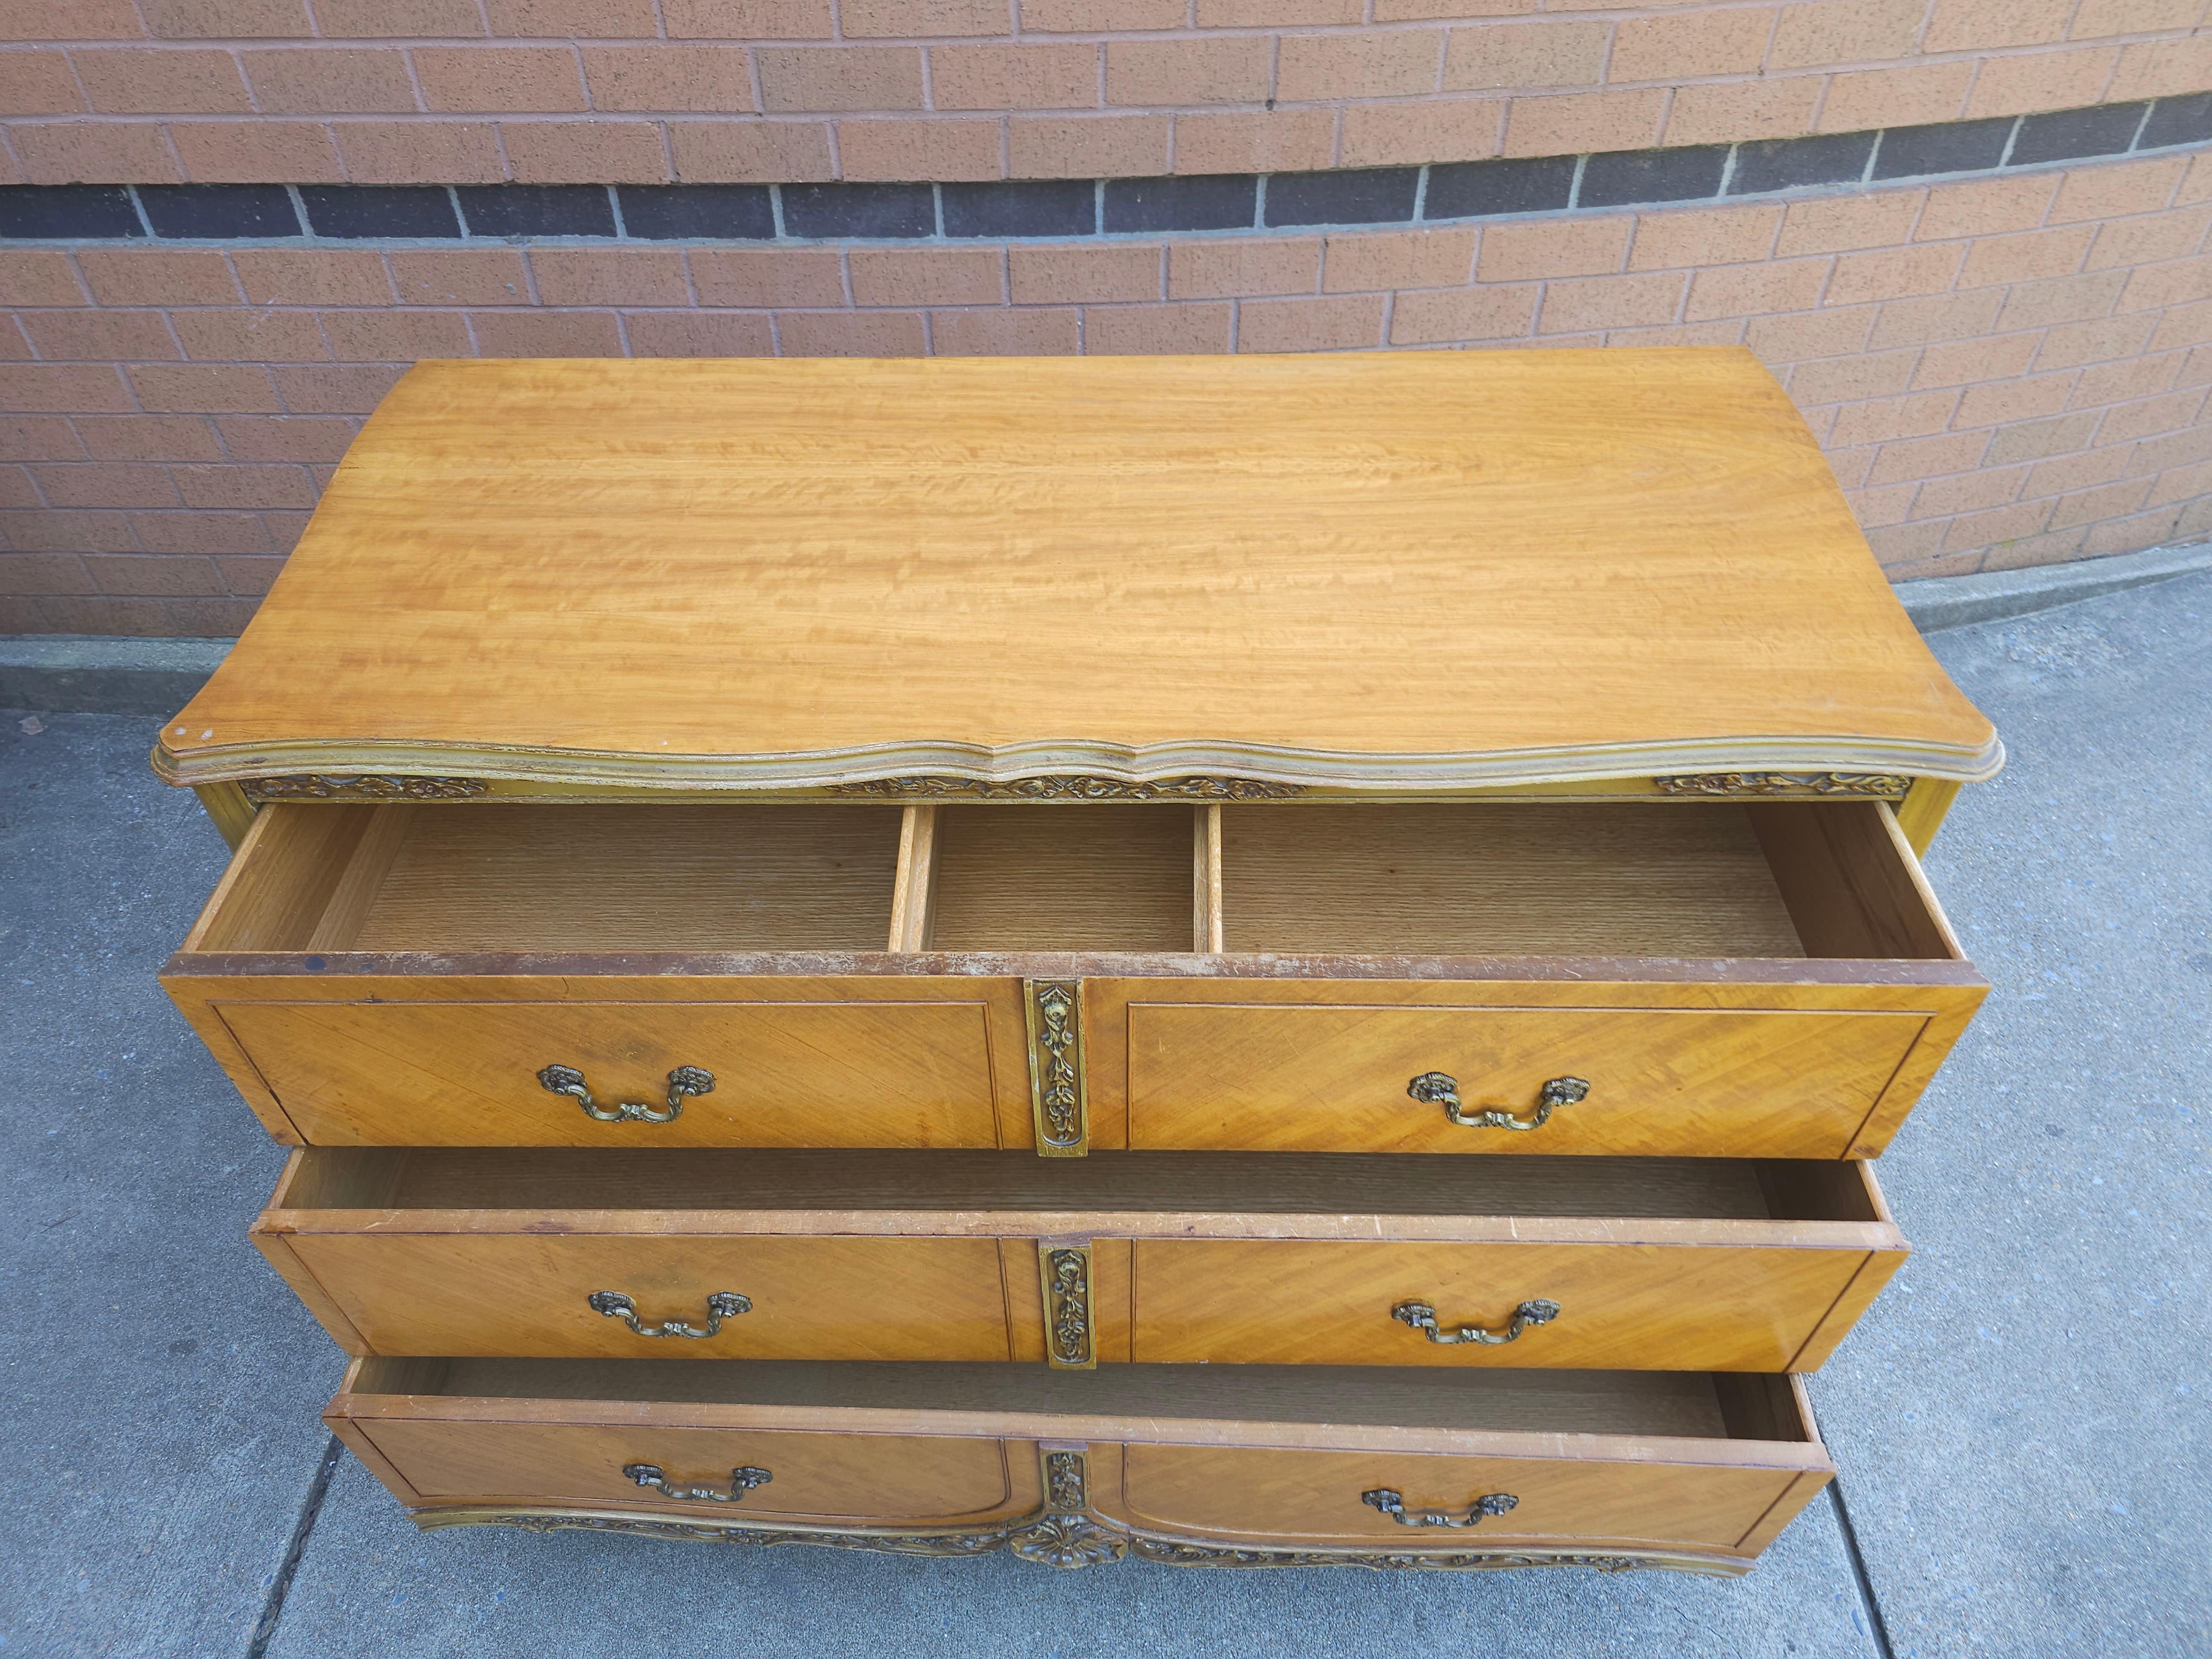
x: 1260, y: 1466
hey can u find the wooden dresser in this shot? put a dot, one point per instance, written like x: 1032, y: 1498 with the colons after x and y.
x: 1240, y: 960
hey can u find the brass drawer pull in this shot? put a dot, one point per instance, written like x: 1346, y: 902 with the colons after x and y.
x: 1422, y: 1317
x: 1442, y: 1089
x: 1394, y: 1506
x: 723, y: 1304
x: 742, y: 1480
x: 683, y: 1081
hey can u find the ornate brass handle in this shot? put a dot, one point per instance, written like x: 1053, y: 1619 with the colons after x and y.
x: 1422, y: 1317
x: 723, y: 1304
x: 1394, y: 1506
x: 742, y: 1480
x: 1442, y: 1089
x: 683, y: 1081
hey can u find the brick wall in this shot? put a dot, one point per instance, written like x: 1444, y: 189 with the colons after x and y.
x: 2005, y: 369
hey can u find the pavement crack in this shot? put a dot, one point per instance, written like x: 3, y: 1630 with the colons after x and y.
x: 272, y: 1605
x: 1876, y: 1626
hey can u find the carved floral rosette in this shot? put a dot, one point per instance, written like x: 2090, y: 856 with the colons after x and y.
x: 1079, y: 786
x: 362, y: 787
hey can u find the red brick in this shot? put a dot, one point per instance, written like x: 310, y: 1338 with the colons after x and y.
x: 246, y: 487
x: 2112, y: 501
x: 1972, y: 25
x: 546, y: 333
x: 498, y: 80
x: 1540, y: 56
x: 285, y: 438
x: 2183, y: 325
x: 47, y: 530
x: 396, y: 336
x: 2149, y: 240
x: 1986, y: 207
x: 331, y: 81
x: 1052, y: 333
x: 620, y: 19
x: 1103, y: 16
x: 851, y: 334
x: 747, y: 19
x: 1937, y: 317
x: 1491, y: 312
x: 1688, y: 44
x: 231, y: 336
x: 2032, y: 440
x: 1999, y: 523
x: 699, y: 334
x: 1726, y: 112
x: 1905, y: 97
x: 1228, y: 268
x: 2106, y: 190
x: 42, y: 573
x: 2124, y: 382
x: 1688, y: 241
x: 143, y: 574
x: 64, y: 388
x: 1829, y: 333
x: 199, y: 532
x: 795, y: 79
x: 995, y: 78
x: 1892, y: 273
x: 224, y: 19
x: 750, y: 152
x: 1231, y: 69
x: 92, y: 152
x: 1087, y: 147
x: 1919, y: 415
x: 768, y: 276
x: 421, y: 152
x: 713, y: 80
x: 2162, y: 68
x: 586, y: 152
x: 69, y: 20
x: 2143, y: 530
x: 2170, y: 282
x: 609, y: 276
x: 1290, y: 140
x: 1825, y: 31
x: 1962, y: 363
x: 1571, y: 247
x: 2100, y: 340
x: 1875, y: 507
x: 413, y: 20
x: 1565, y: 125
x: 204, y: 388
x: 42, y: 438
x: 293, y: 276
x: 1152, y: 331
x: 2084, y: 471
x: 1609, y: 302
x: 256, y: 152
x: 1968, y: 492
x: 149, y: 438
x: 33, y: 276
x: 130, y: 276
x: 927, y: 277
x: 1741, y: 290
x: 466, y: 276
x: 1398, y: 259
x: 106, y: 483
x: 1310, y: 68
x: 1432, y: 129
x: 2062, y: 299
x: 1844, y: 224
x: 1928, y: 458
x: 1044, y: 275
x: 100, y: 337
x: 918, y: 150
x: 145, y: 82
x: 1275, y: 14
x: 336, y: 388
x: 1344, y: 322
x: 2039, y: 254
x: 870, y: 19
x: 1909, y: 548
x: 2002, y: 402
x: 2174, y: 449
x: 1850, y: 379
x: 2151, y: 416
x: 2184, y: 484
x: 2042, y: 80
x: 2026, y: 551
x: 247, y: 575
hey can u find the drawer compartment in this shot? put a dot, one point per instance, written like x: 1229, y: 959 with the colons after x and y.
x: 1449, y: 1263
x: 1668, y: 979
x: 1178, y: 1464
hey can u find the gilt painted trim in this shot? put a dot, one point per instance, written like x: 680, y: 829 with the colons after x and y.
x: 334, y: 787
x: 1059, y: 1097
x: 1071, y: 1330
x: 1885, y: 786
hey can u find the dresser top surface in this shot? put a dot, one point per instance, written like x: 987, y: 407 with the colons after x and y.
x: 1428, y: 570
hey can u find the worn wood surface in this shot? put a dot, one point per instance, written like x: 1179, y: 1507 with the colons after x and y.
x: 1438, y: 569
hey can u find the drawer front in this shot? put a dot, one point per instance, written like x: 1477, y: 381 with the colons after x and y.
x: 805, y: 1298
x: 1269, y: 1494
x: 875, y: 1074
x: 883, y: 1479
x: 1662, y: 1081
x: 1620, y: 1306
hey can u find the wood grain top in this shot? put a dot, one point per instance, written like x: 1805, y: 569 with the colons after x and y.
x: 1391, y: 571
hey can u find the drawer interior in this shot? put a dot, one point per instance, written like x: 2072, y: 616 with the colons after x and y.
x: 1787, y: 879
x: 960, y: 1183
x: 1695, y: 1404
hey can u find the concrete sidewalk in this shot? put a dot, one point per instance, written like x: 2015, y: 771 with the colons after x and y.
x: 2021, y: 1420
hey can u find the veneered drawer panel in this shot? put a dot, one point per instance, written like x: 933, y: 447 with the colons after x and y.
x: 806, y: 1297
x: 1619, y: 1306
x: 460, y: 1073
x: 1310, y: 1077
x: 885, y: 1479
x: 1257, y: 1492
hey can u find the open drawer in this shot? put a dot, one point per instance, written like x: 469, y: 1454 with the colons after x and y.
x: 1668, y: 978
x: 1251, y: 1467
x: 1457, y: 1263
